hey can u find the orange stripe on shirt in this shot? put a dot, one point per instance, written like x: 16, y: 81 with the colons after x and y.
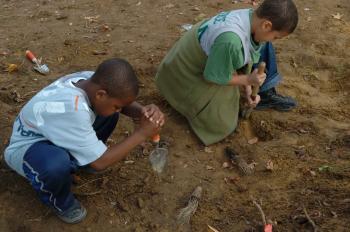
x: 76, y: 103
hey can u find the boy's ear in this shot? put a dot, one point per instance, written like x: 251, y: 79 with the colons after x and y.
x: 101, y: 94
x: 267, y: 25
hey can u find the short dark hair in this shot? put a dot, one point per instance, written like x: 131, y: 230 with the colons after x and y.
x: 283, y: 14
x: 117, y: 77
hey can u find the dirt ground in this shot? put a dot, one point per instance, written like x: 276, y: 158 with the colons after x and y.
x: 309, y: 147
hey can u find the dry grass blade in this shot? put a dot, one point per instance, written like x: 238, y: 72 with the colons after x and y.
x: 185, y: 214
x: 263, y: 217
x: 310, y: 220
x: 212, y: 228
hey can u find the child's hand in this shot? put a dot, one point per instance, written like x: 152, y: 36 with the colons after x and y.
x: 248, y: 94
x: 256, y: 79
x: 153, y: 113
x: 147, y: 129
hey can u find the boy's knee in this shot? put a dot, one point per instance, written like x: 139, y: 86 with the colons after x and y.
x: 59, y: 168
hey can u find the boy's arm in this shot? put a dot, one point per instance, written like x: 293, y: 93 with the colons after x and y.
x: 238, y: 80
x: 119, y: 151
x: 135, y: 110
x: 247, y: 80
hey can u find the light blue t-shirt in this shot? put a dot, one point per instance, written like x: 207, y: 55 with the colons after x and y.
x: 60, y: 113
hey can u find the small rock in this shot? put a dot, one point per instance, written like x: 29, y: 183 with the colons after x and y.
x: 226, y: 165
x: 60, y: 17
x: 140, y: 203
x: 210, y: 167
x: 208, y: 150
x: 300, y: 152
x: 334, y: 214
x: 253, y: 140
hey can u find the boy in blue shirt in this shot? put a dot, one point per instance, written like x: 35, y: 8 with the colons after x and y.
x: 66, y: 125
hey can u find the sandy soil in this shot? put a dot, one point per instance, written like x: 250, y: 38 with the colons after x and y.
x: 309, y: 147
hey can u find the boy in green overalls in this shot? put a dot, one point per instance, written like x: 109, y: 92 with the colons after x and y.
x: 201, y: 75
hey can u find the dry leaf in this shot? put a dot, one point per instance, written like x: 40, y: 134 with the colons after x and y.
x: 252, y: 165
x: 269, y: 165
x: 337, y: 16
x: 12, y: 68
x: 312, y: 173
x: 200, y: 17
x: 105, y: 28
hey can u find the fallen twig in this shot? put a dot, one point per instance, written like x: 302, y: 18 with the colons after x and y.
x: 310, y: 220
x: 88, y: 194
x: 212, y: 228
x: 263, y: 217
x: 88, y: 182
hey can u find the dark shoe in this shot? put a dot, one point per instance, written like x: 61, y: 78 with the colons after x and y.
x: 75, y: 214
x: 270, y: 99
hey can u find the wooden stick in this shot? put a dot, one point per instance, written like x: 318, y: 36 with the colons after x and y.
x: 88, y: 194
x: 310, y: 220
x: 255, y: 89
x: 263, y: 217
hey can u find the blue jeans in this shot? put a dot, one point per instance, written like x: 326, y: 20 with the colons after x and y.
x: 267, y: 54
x: 49, y: 168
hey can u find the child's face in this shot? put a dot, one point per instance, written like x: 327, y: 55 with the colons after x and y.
x: 264, y: 33
x: 104, y: 105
